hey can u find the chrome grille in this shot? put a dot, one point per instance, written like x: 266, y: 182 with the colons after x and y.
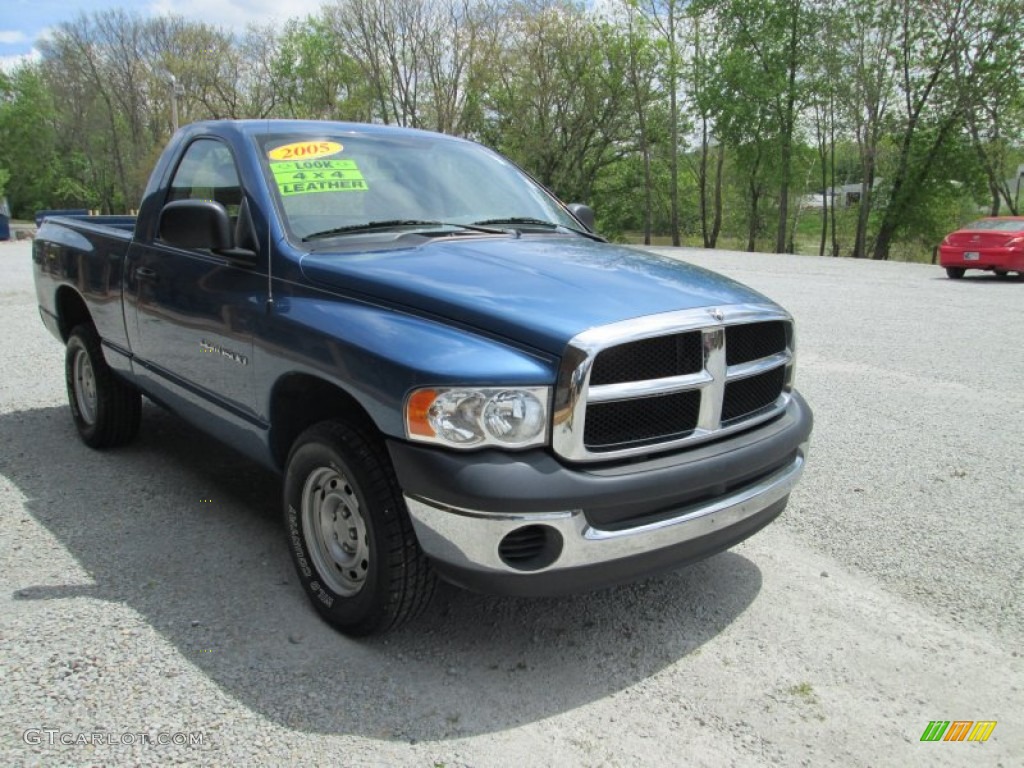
x: 637, y: 422
x: 671, y: 380
x: 747, y: 396
x: 752, y: 341
x: 655, y: 358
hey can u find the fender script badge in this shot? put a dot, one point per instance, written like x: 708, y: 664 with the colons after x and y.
x: 207, y: 346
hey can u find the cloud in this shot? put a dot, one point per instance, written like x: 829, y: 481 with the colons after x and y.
x: 12, y: 37
x: 11, y: 63
x: 234, y: 15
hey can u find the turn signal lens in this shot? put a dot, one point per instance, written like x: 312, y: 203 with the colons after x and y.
x: 416, y: 411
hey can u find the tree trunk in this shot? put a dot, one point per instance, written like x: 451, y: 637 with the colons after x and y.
x: 702, y: 182
x: 752, y: 227
x: 787, y: 140
x: 645, y: 148
x: 755, y: 196
x: 674, y: 131
x: 990, y: 172
x: 783, y: 225
x: 674, y: 159
x: 716, y: 225
x: 832, y: 172
x: 648, y: 197
x: 860, y: 245
x: 823, y: 157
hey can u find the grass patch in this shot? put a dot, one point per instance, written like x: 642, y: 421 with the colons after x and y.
x: 803, y: 691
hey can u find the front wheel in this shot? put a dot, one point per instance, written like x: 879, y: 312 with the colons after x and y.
x: 349, y: 532
x: 955, y: 273
x: 105, y: 409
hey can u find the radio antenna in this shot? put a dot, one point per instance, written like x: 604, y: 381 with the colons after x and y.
x: 270, y: 242
x: 270, y: 267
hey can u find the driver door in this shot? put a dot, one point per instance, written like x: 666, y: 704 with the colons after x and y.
x: 192, y: 312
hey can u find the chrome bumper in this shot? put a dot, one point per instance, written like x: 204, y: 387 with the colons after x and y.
x: 468, y: 539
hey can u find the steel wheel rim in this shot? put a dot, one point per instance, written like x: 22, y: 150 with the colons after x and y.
x: 85, y: 387
x: 335, y: 531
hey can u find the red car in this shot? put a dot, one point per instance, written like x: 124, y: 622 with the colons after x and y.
x: 995, y: 243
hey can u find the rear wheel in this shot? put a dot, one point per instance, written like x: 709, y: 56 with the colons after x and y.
x: 955, y: 273
x: 106, y: 410
x: 1002, y: 274
x: 349, y: 532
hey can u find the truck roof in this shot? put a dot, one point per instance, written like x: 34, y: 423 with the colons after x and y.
x: 312, y: 127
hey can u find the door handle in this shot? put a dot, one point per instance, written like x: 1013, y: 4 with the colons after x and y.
x: 145, y: 273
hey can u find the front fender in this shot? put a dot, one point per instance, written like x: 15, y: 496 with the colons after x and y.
x: 378, y: 354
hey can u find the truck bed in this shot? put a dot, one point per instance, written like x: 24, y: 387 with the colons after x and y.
x: 117, y: 225
x: 83, y: 256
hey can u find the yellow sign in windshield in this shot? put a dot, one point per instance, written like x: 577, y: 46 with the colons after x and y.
x: 305, y: 150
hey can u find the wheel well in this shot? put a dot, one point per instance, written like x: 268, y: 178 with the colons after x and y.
x: 299, y: 401
x: 71, y: 311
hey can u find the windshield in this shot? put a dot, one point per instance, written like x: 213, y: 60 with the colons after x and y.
x: 342, y: 183
x: 1000, y: 225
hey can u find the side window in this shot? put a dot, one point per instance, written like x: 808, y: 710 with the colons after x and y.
x: 207, y: 172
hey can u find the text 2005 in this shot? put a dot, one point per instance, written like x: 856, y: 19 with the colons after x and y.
x: 301, y: 150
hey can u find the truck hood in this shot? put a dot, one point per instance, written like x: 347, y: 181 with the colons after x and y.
x: 536, y: 290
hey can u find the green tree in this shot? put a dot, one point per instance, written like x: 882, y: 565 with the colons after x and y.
x: 944, y: 49
x: 315, y: 75
x: 29, y: 157
x: 641, y: 78
x: 666, y: 17
x: 766, y: 52
x: 560, y: 104
x: 702, y: 76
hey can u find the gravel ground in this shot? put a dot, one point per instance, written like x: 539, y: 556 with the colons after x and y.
x: 149, y: 590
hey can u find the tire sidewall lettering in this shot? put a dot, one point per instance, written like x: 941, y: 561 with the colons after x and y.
x: 297, y: 544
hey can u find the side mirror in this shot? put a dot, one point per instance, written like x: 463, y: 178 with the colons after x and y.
x: 196, y: 224
x: 585, y: 215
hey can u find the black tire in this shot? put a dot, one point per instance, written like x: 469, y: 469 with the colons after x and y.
x: 1002, y: 274
x: 955, y: 273
x: 105, y: 409
x: 349, y: 532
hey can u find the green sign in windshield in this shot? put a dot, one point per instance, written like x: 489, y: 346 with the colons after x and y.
x: 300, y: 177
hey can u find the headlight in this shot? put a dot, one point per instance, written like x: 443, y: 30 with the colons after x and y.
x: 474, y: 417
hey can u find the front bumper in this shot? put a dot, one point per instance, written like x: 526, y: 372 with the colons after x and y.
x: 592, y: 527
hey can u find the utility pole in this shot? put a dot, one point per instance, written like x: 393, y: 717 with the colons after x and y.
x: 176, y: 90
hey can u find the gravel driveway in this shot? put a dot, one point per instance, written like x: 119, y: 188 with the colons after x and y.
x: 146, y: 594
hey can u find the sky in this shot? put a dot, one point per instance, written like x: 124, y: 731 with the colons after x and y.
x: 23, y: 22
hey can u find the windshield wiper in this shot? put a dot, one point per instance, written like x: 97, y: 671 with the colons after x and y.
x: 372, y: 226
x: 531, y: 221
x: 520, y: 220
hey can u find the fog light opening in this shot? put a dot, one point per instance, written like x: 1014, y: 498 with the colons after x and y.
x: 530, y: 548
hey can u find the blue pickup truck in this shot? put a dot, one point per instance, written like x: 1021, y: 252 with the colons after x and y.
x: 455, y: 375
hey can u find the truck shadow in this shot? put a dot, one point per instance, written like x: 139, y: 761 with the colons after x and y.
x: 187, y: 534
